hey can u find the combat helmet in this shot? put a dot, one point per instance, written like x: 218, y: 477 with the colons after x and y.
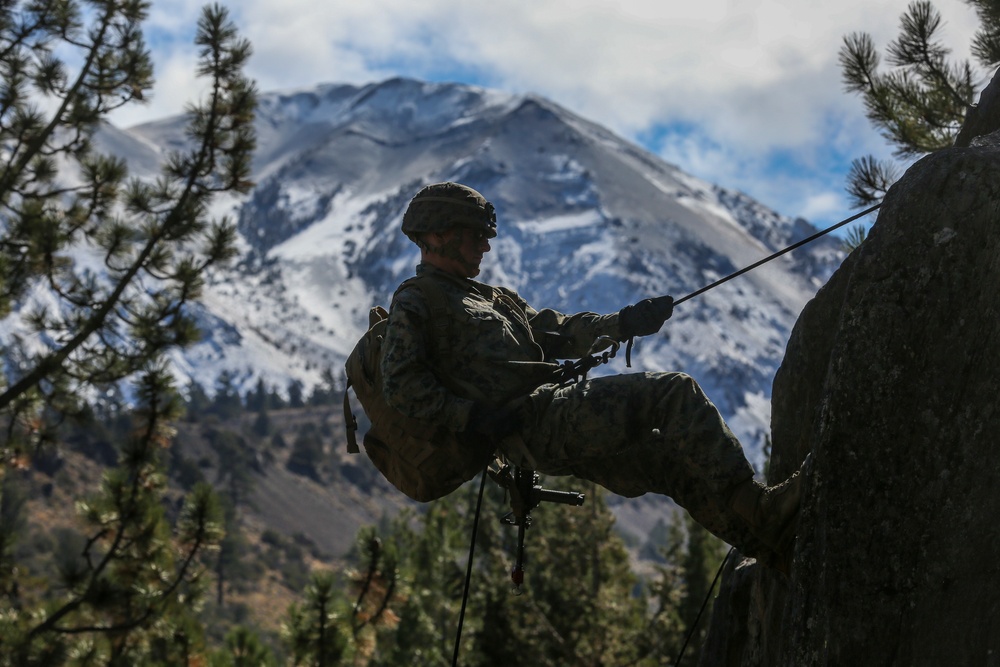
x: 441, y: 206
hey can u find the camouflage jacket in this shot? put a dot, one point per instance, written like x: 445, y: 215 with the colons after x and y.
x: 497, y: 346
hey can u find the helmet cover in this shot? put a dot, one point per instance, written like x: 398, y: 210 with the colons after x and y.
x: 443, y: 206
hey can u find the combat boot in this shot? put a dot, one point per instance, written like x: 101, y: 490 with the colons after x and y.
x: 771, y: 512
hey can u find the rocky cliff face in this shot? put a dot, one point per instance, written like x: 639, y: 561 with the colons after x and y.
x: 891, y: 379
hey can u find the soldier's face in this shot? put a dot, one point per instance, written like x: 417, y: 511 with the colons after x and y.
x: 458, y: 251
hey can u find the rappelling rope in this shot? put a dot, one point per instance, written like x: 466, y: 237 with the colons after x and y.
x: 779, y: 253
x: 694, y: 626
x: 798, y: 244
x: 468, y: 571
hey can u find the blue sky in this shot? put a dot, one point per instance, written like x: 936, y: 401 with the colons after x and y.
x: 743, y: 93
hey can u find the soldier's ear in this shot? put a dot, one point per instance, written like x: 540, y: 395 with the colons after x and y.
x: 439, y: 239
x: 431, y: 239
x: 430, y: 242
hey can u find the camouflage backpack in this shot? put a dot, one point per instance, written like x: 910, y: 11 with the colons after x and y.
x: 420, y: 459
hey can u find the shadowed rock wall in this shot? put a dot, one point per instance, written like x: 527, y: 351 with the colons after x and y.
x: 891, y: 379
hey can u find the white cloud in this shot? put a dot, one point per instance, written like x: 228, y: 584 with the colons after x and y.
x: 823, y: 205
x: 753, y: 77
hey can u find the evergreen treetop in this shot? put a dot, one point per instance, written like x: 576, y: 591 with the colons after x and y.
x: 66, y: 65
x: 920, y: 101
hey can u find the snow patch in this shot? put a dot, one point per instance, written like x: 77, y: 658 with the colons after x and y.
x: 560, y: 223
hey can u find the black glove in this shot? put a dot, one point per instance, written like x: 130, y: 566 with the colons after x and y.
x: 646, y: 317
x: 495, y: 423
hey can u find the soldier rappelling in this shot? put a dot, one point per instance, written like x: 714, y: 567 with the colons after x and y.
x: 474, y: 367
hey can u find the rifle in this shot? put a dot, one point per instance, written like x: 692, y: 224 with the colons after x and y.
x: 525, y: 495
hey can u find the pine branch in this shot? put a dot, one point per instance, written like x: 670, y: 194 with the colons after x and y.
x: 916, y: 49
x: 859, y: 62
x: 131, y: 526
x: 986, y: 41
x: 13, y: 170
x: 923, y: 102
x: 198, y: 173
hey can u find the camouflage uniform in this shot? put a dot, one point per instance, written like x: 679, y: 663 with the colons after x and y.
x: 632, y: 434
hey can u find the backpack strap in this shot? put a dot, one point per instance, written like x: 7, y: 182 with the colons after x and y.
x: 438, y: 328
x: 375, y: 315
x: 437, y: 303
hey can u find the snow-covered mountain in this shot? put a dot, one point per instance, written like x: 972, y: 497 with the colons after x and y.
x: 587, y: 221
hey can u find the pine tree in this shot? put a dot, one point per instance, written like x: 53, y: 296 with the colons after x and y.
x: 580, y: 603
x: 13, y: 524
x: 700, y: 562
x: 429, y: 586
x: 243, y: 648
x: 920, y: 103
x: 262, y: 426
x: 666, y: 629
x: 128, y: 590
x: 66, y: 65
x: 256, y: 398
x: 295, y: 394
x: 226, y: 402
x: 307, y: 452
x: 326, y: 390
x: 236, y: 460
x: 313, y: 632
x: 197, y: 401
x: 230, y: 565
x: 131, y: 588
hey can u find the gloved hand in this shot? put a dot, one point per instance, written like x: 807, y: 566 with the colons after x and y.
x: 646, y: 317
x: 495, y: 423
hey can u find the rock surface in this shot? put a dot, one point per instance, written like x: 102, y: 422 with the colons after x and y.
x: 890, y: 379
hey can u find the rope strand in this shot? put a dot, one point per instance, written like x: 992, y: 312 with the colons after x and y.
x: 694, y: 626
x: 468, y: 571
x: 778, y: 254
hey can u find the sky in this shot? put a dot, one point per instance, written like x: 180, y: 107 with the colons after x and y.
x: 746, y: 94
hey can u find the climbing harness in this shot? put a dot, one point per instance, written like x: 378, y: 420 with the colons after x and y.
x: 522, y: 484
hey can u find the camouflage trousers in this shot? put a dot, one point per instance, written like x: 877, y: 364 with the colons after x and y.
x: 640, y: 433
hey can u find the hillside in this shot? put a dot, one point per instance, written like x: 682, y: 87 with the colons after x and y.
x: 294, y: 503
x: 293, y: 513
